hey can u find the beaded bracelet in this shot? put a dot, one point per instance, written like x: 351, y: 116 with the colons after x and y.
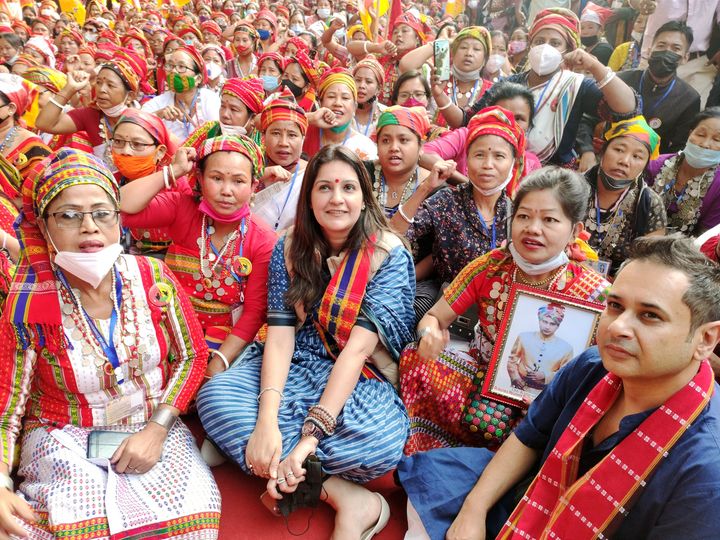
x: 321, y: 414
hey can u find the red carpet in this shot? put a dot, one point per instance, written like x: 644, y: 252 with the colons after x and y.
x: 245, y: 518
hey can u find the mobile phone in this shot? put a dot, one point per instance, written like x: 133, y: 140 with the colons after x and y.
x: 441, y: 55
x: 270, y: 503
x: 102, y: 444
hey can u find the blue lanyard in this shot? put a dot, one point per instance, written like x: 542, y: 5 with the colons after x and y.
x: 539, y: 100
x: 107, y: 347
x: 347, y: 136
x: 287, y: 197
x: 486, y: 230
x: 370, y: 121
x: 649, y: 112
x: 240, y: 254
x: 186, y: 125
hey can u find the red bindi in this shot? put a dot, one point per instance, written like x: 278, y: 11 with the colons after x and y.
x: 337, y: 180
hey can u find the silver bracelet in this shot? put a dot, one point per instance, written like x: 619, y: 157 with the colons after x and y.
x: 423, y: 332
x: 56, y: 103
x: 608, y: 77
x: 164, y: 417
x: 6, y: 482
x: 449, y: 104
x: 222, y: 357
x: 365, y: 44
x: 270, y: 389
x: 408, y: 220
x: 165, y: 178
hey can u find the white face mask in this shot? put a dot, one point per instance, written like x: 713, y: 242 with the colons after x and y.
x: 544, y: 59
x: 214, y: 70
x: 323, y: 13
x: 114, y: 112
x: 90, y: 37
x: 465, y: 76
x: 472, y: 4
x: 536, y: 269
x: 499, y: 187
x: 90, y: 267
x: 230, y: 131
x: 494, y: 63
x: 637, y: 36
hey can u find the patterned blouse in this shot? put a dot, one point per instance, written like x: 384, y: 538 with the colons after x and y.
x: 639, y: 212
x: 450, y: 222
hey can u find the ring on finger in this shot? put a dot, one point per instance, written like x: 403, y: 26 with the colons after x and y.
x: 280, y: 480
x: 288, y: 475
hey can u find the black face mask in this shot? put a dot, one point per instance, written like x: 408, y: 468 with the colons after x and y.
x: 663, y: 63
x: 294, y: 88
x: 589, y: 41
x: 613, y: 184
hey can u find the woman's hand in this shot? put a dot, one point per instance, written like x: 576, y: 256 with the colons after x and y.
x: 440, y: 172
x: 141, y: 451
x: 389, y: 48
x: 466, y: 527
x: 264, y: 449
x: 582, y: 61
x: 324, y: 118
x: 276, y: 173
x: 184, y: 161
x: 432, y: 344
x: 437, y: 87
x: 170, y: 114
x: 336, y: 24
x: 290, y: 472
x: 11, y: 505
x: 76, y: 81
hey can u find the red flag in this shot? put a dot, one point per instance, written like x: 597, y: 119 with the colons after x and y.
x: 395, y: 12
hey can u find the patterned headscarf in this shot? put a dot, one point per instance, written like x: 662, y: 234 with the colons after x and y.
x: 197, y: 59
x: 371, y: 63
x: 554, y: 312
x: 275, y: 57
x: 235, y: 143
x: 500, y: 122
x: 413, y: 22
x: 473, y: 32
x: 337, y: 75
x: 155, y: 127
x: 72, y: 34
x: 19, y: 91
x: 32, y: 308
x: 10, y: 178
x: 310, y: 68
x: 413, y: 118
x: 44, y: 48
x: 300, y: 45
x: 122, y: 69
x: 214, y: 47
x: 267, y: 15
x: 247, y: 27
x: 250, y: 91
x: 280, y: 109
x: 638, y: 129
x: 560, y: 19
x: 134, y: 33
x: 211, y: 27
x: 110, y: 36
x: 138, y: 65
x: 48, y: 78
x: 190, y: 30
x: 353, y: 29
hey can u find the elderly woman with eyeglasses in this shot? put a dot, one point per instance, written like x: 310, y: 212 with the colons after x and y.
x: 188, y: 103
x: 101, y: 350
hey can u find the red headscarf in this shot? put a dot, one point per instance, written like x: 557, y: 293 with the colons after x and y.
x: 250, y: 91
x: 155, y: 127
x: 560, y: 19
x: 275, y: 57
x: 421, y: 29
x: 211, y: 27
x: 199, y: 62
x: 134, y: 33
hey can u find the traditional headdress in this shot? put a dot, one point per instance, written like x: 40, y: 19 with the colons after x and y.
x: 19, y: 91
x: 280, y: 109
x: 371, y: 63
x: 638, y: 129
x: 413, y: 118
x: 275, y: 57
x: 421, y: 29
x: 554, y: 312
x: 560, y: 19
x: 473, y: 32
x: 250, y: 91
x: 155, y: 127
x: 337, y: 75
x: 310, y: 68
x: 211, y: 27
x: 48, y: 78
x: 235, y: 143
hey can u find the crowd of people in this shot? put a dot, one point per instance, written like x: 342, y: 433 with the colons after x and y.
x: 304, y: 222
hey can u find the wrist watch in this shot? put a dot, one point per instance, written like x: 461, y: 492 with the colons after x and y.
x: 311, y: 430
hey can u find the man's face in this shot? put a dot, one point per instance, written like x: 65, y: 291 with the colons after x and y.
x: 644, y: 332
x: 548, y: 326
x: 670, y: 41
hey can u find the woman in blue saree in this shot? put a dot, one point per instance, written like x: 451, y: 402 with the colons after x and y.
x: 340, y: 310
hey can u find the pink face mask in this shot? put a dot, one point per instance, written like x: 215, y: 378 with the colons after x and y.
x: 209, y: 211
x: 412, y: 102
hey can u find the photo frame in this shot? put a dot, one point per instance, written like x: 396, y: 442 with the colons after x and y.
x: 541, y: 331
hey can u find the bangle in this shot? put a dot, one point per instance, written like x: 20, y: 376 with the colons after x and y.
x: 6, y: 482
x: 608, y: 77
x: 164, y: 417
x: 447, y: 106
x: 408, y: 220
x: 270, y: 389
x: 166, y: 181
x: 365, y: 44
x: 222, y: 357
x: 56, y: 103
x: 423, y: 332
x: 172, y: 175
x: 5, y: 235
x: 309, y: 429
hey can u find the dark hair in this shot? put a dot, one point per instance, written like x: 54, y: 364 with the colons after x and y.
x: 570, y: 189
x: 676, y: 26
x: 679, y: 253
x: 710, y: 112
x: 309, y: 248
x: 496, y: 33
x: 407, y: 76
x: 13, y: 39
x: 444, y: 26
x: 509, y: 90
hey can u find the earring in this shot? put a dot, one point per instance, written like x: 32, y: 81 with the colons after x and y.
x: 363, y: 207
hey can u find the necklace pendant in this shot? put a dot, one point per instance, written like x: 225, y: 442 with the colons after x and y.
x: 207, y: 283
x: 394, y: 195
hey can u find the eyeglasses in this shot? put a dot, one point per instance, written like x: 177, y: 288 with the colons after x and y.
x: 73, y: 219
x: 179, y: 68
x: 119, y: 144
x: 402, y: 96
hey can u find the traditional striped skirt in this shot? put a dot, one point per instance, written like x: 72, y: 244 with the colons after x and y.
x: 371, y: 429
x: 79, y: 498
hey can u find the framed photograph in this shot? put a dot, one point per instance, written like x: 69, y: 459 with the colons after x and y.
x: 540, y: 333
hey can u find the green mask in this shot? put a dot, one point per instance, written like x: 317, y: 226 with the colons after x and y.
x: 180, y: 83
x: 340, y: 128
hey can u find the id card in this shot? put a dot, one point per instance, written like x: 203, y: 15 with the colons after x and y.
x: 122, y: 407
x: 600, y: 266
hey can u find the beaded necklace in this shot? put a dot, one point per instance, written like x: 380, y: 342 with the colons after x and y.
x: 210, y: 272
x: 519, y: 276
x: 9, y: 138
x: 380, y: 187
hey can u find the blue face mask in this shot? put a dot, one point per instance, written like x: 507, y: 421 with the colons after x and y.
x: 700, y: 158
x: 270, y: 82
x: 264, y: 34
x: 296, y: 28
